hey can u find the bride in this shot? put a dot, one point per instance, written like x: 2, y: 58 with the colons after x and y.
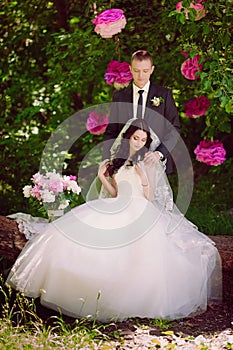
x: 130, y: 254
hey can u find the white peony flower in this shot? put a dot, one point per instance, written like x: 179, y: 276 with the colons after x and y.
x: 27, y: 191
x: 74, y: 187
x: 47, y: 196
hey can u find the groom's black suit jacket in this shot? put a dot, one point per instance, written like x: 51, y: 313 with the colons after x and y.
x: 164, y: 119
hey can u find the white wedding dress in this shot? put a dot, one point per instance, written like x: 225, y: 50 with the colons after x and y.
x: 122, y: 257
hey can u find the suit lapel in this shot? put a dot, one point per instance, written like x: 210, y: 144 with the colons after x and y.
x: 129, y: 99
x: 151, y: 94
x: 129, y: 93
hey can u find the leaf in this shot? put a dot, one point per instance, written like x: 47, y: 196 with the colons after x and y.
x: 229, y: 107
x: 182, y: 18
x: 225, y: 127
x: 210, y: 132
x: 218, y: 93
x: 173, y: 13
x: 213, y: 65
x: 156, y: 342
x: 186, y: 3
x: 168, y: 332
x: 207, y: 84
x: 206, y: 29
x: 207, y: 121
x: 226, y: 39
x: 224, y: 100
x: 215, y: 56
x: 203, y: 75
x: 192, y: 14
x: 193, y: 53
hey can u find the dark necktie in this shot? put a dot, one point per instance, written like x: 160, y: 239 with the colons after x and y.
x: 139, y: 110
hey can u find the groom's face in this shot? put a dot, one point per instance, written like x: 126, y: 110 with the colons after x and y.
x: 141, y: 72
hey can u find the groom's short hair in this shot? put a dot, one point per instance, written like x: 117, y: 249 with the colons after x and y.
x: 142, y: 55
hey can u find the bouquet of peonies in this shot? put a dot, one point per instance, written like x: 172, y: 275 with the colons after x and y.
x: 52, y: 189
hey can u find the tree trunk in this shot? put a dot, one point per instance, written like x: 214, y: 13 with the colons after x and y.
x: 62, y: 15
x: 12, y: 240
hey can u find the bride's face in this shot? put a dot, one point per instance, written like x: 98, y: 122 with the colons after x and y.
x: 137, y: 141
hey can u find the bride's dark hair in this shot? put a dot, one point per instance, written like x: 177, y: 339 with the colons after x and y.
x: 123, y: 151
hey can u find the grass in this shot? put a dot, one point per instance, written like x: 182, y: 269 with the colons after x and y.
x: 211, y: 220
x: 211, y: 207
x: 37, y: 336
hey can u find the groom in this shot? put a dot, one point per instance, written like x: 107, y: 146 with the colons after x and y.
x: 145, y: 100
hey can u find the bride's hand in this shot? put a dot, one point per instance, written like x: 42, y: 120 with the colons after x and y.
x: 103, y: 167
x: 141, y: 172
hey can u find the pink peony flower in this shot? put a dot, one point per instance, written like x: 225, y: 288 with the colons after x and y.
x: 200, y: 10
x: 118, y: 74
x: 179, y: 6
x: 55, y: 186
x: 36, y: 178
x: 36, y: 192
x: 109, y: 22
x: 97, y: 123
x: 197, y: 106
x: 73, y: 177
x: 210, y: 152
x: 190, y: 67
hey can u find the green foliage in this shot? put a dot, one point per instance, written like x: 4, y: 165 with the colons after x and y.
x: 52, y: 65
x: 209, y: 37
x: 210, y: 207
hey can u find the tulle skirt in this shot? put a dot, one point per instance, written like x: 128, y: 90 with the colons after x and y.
x: 121, y: 264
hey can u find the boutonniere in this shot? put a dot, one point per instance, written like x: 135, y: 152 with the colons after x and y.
x: 156, y: 101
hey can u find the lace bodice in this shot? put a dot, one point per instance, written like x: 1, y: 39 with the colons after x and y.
x: 129, y: 182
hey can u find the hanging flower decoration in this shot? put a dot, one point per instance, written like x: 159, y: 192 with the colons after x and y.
x: 210, y: 152
x: 200, y: 9
x: 97, y: 123
x: 196, y: 107
x: 190, y: 67
x: 109, y: 22
x: 118, y: 74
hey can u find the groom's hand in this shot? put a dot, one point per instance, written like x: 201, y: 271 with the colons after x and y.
x: 152, y: 157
